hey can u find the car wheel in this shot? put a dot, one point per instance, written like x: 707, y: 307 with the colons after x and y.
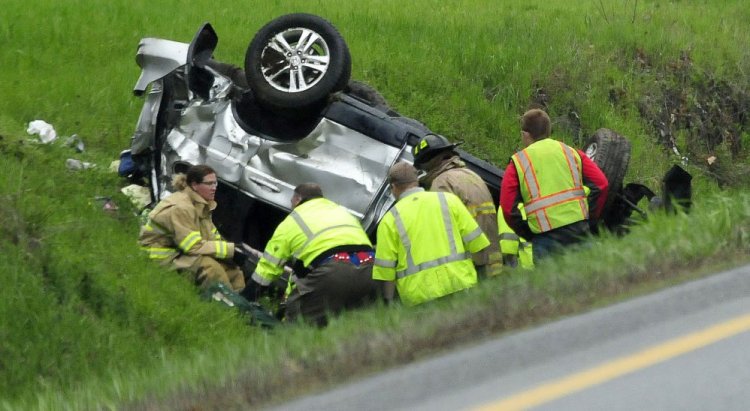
x: 415, y: 124
x: 366, y: 93
x: 611, y: 152
x: 297, y: 60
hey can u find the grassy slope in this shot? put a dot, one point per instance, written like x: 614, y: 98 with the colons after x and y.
x: 79, y: 299
x: 86, y: 310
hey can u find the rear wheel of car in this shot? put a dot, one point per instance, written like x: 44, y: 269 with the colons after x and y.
x: 611, y: 152
x: 297, y: 60
x: 416, y: 124
x: 367, y: 93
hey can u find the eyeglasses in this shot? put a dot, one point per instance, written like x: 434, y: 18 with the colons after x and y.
x: 210, y: 183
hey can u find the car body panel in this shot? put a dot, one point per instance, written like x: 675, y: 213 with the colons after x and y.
x: 348, y: 150
x: 157, y: 58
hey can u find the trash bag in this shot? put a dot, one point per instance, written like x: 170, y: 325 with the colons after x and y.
x: 257, y: 314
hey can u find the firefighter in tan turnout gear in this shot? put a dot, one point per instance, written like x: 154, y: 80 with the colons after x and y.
x: 179, y: 231
x: 446, y: 172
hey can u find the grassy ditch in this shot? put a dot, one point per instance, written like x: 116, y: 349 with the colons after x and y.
x: 666, y: 250
x: 88, y: 322
x: 96, y: 324
x: 80, y: 302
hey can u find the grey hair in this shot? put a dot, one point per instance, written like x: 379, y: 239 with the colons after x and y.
x: 402, y: 173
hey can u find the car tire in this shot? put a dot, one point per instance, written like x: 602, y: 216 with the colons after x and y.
x: 275, y: 124
x: 302, y: 44
x: 367, y: 93
x: 417, y: 125
x: 611, y: 152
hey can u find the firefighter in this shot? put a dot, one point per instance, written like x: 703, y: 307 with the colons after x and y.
x: 561, y: 189
x: 445, y: 171
x: 424, y: 243
x: 179, y: 231
x: 334, y: 258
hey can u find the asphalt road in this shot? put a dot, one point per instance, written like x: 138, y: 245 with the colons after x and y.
x: 684, y: 348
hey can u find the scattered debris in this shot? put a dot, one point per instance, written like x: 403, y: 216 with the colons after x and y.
x: 114, y: 166
x: 75, y: 142
x: 107, y: 204
x: 73, y: 164
x: 139, y: 195
x: 46, y: 132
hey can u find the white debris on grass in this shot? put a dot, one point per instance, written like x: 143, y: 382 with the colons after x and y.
x: 140, y: 196
x: 114, y: 166
x: 46, y: 132
x: 73, y: 164
x: 75, y: 142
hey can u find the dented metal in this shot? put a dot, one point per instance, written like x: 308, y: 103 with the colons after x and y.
x: 350, y: 166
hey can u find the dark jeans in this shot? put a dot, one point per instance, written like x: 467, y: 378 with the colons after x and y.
x: 331, y: 288
x: 554, y: 241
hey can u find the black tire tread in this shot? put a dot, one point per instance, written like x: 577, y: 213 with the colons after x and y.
x: 367, y: 93
x: 612, y: 156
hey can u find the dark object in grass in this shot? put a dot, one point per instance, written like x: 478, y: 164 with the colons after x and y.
x: 677, y: 189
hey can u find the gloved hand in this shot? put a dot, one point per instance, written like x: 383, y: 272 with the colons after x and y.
x: 240, y: 257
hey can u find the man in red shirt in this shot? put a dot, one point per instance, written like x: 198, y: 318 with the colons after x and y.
x: 562, y: 190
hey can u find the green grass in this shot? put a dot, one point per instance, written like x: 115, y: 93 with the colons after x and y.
x: 88, y: 322
x: 80, y: 301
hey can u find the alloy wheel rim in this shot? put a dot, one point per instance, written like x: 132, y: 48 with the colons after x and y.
x: 295, y: 60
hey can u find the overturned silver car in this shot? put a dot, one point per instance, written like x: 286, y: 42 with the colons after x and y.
x: 296, y: 118
x: 292, y: 116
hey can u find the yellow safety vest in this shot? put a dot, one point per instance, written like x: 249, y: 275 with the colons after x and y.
x: 513, y: 244
x: 424, y: 243
x: 312, y: 228
x: 551, y: 180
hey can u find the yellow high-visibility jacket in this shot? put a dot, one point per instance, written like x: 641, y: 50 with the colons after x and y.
x: 424, y: 244
x: 452, y: 176
x: 551, y: 181
x: 513, y: 244
x: 313, y: 227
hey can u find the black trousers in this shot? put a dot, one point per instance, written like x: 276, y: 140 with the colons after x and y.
x: 331, y: 288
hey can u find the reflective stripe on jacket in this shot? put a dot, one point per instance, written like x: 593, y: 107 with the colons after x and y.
x: 452, y: 176
x: 550, y: 176
x: 313, y: 227
x: 424, y: 243
x: 513, y: 244
x: 181, y: 225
